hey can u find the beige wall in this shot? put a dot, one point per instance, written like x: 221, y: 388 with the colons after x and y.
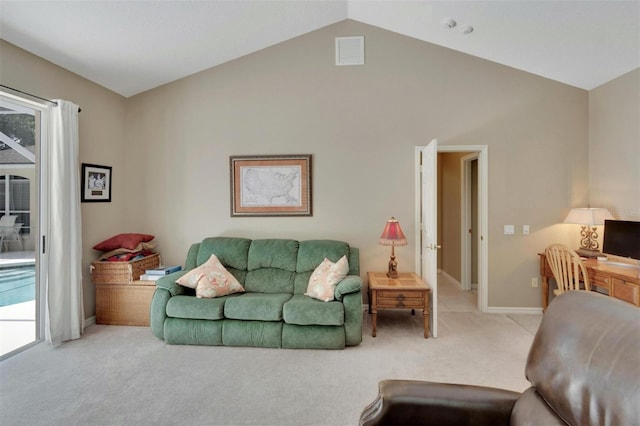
x: 362, y: 125
x: 101, y: 134
x: 450, y: 213
x: 170, y: 147
x: 614, y: 146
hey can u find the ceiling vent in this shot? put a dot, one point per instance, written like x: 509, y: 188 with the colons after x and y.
x: 350, y: 50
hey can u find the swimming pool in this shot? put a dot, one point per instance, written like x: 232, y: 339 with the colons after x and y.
x: 17, y: 284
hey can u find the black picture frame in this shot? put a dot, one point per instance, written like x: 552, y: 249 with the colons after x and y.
x: 96, y: 183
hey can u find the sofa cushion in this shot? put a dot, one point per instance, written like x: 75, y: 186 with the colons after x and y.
x: 301, y: 282
x: 232, y: 252
x: 210, y: 280
x: 312, y: 252
x: 304, y: 310
x: 273, y: 253
x: 324, y: 279
x: 269, y: 280
x: 256, y: 306
x: 193, y: 308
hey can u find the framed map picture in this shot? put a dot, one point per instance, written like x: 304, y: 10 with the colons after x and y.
x: 271, y: 185
x: 96, y: 183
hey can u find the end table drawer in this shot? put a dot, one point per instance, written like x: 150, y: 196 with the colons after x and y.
x: 394, y: 294
x: 400, y: 299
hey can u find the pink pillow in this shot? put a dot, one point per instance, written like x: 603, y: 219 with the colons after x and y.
x: 324, y: 279
x: 128, y: 241
x: 210, y: 280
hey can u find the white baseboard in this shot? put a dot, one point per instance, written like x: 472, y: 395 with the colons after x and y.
x: 508, y: 310
x: 90, y: 321
x: 449, y: 277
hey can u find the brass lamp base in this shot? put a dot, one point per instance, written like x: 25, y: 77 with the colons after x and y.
x: 393, y: 268
x: 588, y: 253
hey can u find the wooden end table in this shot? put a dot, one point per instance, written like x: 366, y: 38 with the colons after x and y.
x: 408, y: 291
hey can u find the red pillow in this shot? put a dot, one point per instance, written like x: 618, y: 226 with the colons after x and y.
x: 128, y: 241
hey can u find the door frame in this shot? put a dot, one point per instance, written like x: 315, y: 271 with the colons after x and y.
x: 483, y: 215
x: 466, y: 243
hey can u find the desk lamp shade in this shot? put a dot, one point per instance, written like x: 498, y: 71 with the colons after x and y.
x: 392, y: 236
x: 589, y: 218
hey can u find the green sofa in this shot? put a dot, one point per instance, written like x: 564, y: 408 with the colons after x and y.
x: 273, y: 311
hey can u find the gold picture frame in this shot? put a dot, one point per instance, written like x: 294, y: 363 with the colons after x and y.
x: 271, y: 185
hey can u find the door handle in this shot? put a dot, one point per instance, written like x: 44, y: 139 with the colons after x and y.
x: 433, y: 246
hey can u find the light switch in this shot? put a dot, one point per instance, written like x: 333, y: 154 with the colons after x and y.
x: 509, y: 230
x: 525, y: 229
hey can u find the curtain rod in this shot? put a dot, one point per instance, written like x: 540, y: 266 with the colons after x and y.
x: 34, y: 96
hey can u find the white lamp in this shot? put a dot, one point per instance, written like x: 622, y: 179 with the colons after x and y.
x: 589, y: 218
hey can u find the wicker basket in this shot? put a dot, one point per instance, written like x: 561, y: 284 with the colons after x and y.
x: 105, y: 272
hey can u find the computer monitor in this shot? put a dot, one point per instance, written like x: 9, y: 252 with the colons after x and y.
x: 622, y: 238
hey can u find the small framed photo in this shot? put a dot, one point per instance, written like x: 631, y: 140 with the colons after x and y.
x: 96, y: 183
x: 271, y: 185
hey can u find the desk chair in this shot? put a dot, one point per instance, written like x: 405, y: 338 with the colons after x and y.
x: 567, y: 268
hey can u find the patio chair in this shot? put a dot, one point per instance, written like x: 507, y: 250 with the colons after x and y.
x: 9, y: 231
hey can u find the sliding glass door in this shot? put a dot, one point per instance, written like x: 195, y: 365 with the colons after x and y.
x: 22, y: 131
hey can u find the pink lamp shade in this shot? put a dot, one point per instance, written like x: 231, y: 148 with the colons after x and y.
x: 392, y: 234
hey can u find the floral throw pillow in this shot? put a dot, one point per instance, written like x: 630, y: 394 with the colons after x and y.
x: 210, y: 280
x: 324, y: 279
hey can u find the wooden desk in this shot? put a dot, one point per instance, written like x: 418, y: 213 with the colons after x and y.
x: 619, y: 281
x: 408, y: 291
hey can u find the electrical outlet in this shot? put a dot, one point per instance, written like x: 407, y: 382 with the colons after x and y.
x: 535, y: 282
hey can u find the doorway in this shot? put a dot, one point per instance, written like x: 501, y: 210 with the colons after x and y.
x: 479, y: 154
x: 470, y: 237
x: 22, y: 130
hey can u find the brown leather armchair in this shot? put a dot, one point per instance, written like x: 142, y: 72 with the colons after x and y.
x: 583, y: 365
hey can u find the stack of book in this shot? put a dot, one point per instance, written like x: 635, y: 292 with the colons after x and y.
x: 155, y: 274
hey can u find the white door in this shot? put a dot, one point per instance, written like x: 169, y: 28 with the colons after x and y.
x: 429, y: 219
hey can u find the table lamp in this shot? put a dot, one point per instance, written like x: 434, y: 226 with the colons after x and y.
x: 589, y: 218
x: 392, y: 236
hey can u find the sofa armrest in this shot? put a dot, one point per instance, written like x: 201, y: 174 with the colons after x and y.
x: 168, y: 282
x: 427, y: 403
x: 349, y: 284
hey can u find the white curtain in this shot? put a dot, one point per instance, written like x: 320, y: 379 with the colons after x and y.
x: 63, y: 283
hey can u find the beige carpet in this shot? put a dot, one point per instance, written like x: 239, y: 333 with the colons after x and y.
x: 125, y: 376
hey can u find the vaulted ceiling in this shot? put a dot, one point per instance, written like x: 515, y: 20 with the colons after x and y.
x: 133, y: 46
